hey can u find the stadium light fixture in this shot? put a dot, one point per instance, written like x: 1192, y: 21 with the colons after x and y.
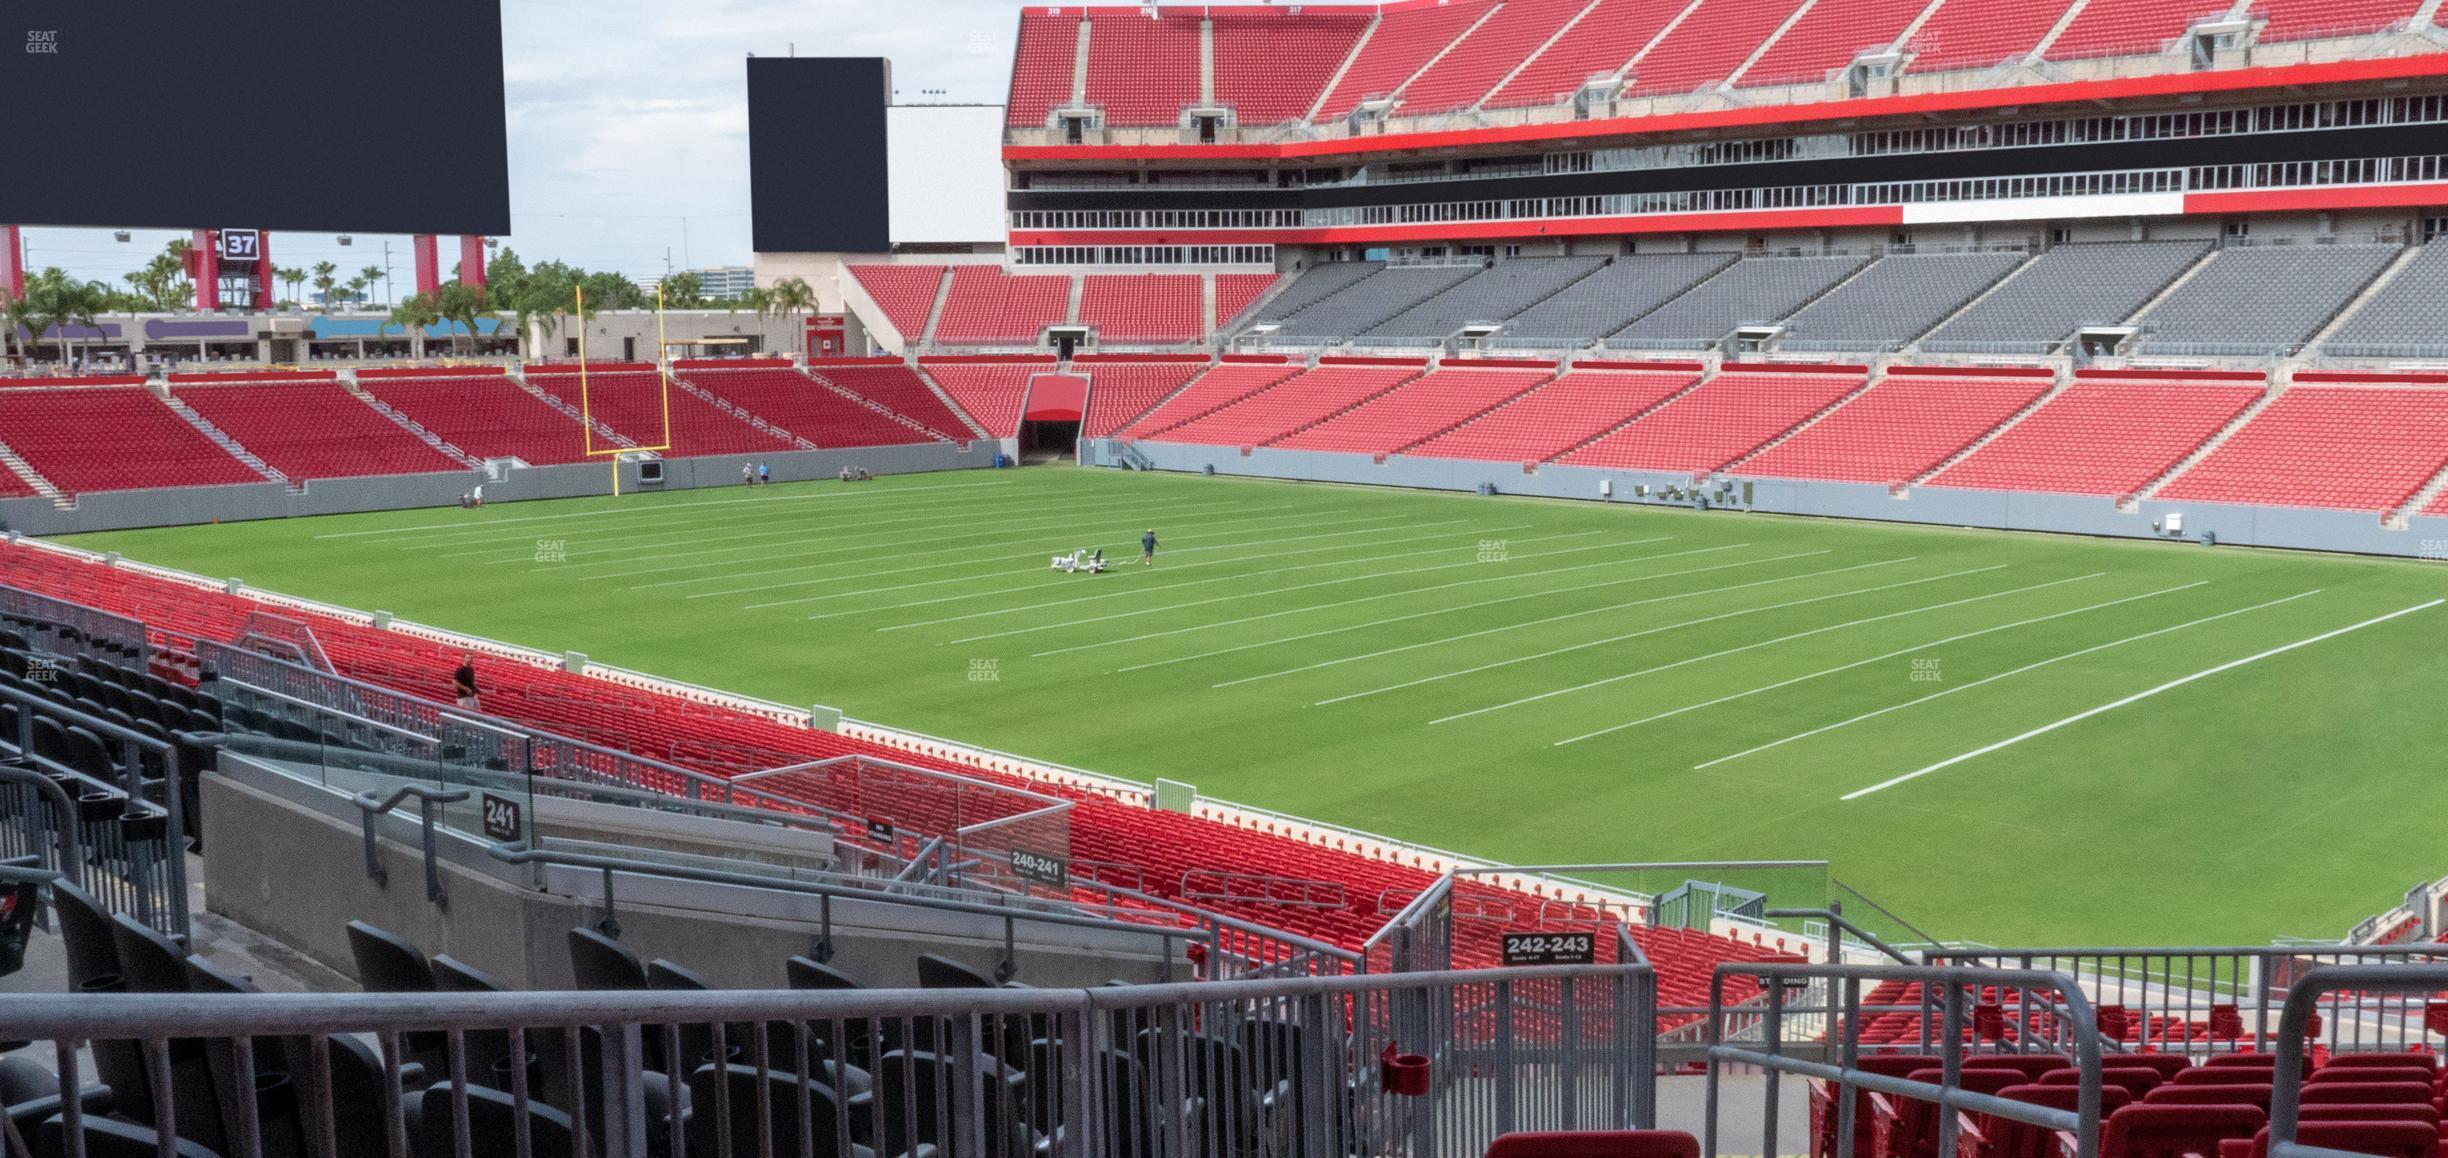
x: 345, y: 239
x: 120, y: 235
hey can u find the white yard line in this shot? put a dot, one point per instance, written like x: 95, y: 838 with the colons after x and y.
x: 1952, y: 689
x: 968, y: 554
x: 1572, y: 615
x: 1004, y: 577
x: 647, y: 512
x: 1377, y: 623
x: 2138, y: 697
x: 1111, y: 592
x: 1897, y: 653
x: 1274, y: 591
x: 1509, y: 577
x: 1816, y: 631
x: 1675, y: 626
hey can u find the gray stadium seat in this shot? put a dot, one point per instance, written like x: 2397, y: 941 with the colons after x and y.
x: 2063, y: 290
x: 2262, y: 300
x: 1896, y: 300
x: 1752, y: 291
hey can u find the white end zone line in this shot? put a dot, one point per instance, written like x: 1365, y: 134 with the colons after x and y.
x: 1681, y: 663
x: 1867, y: 716
x: 2136, y: 698
x: 1901, y: 651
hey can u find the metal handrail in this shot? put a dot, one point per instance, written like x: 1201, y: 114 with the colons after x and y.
x: 174, y: 900
x: 2294, y: 1026
x: 2073, y: 1007
x: 72, y: 853
x: 370, y: 807
x: 1010, y: 914
x: 1841, y: 926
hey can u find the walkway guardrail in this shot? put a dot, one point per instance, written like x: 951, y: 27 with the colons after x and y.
x: 1424, y: 1065
x: 89, y: 625
x: 1785, y: 1049
x: 2323, y: 988
x: 128, y: 832
x: 2217, y: 1000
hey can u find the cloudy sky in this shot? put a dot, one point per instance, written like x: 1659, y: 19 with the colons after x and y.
x: 629, y: 124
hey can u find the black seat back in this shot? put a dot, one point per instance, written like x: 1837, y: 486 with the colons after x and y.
x: 386, y: 962
x: 602, y: 963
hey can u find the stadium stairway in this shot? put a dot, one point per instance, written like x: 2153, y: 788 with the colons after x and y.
x: 2062, y: 379
x: 358, y: 391
x: 2215, y: 441
x: 1162, y: 850
x: 1706, y: 376
x: 222, y: 439
x: 602, y: 430
x: 27, y: 480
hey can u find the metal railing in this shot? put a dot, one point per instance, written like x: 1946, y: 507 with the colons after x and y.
x: 2214, y: 1000
x: 1788, y: 1037
x: 1423, y: 1064
x: 129, y: 848
x: 89, y: 626
x: 2323, y: 988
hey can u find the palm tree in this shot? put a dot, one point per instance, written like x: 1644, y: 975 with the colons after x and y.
x: 326, y: 278
x: 373, y: 275
x: 292, y: 277
x: 16, y: 323
x: 683, y: 291
x: 55, y: 301
x: 415, y: 314
x: 464, y: 304
x: 791, y: 295
x: 357, y: 290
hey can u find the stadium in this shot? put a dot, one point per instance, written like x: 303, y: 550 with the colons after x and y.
x: 1530, y: 578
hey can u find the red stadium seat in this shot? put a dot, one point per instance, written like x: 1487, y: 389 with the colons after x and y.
x: 2173, y: 1131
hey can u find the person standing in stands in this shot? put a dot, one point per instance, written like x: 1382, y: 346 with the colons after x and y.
x: 463, y: 681
x: 1147, y: 548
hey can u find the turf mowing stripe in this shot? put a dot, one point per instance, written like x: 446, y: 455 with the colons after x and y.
x: 1177, y: 586
x: 1682, y: 663
x: 1299, y: 587
x: 1589, y: 611
x: 642, y: 512
x: 2136, y: 698
x: 1866, y: 716
x: 1878, y: 658
x: 1004, y: 577
x: 1676, y: 625
x: 1417, y: 591
x: 768, y: 527
x: 987, y: 539
x: 935, y: 519
x: 1159, y: 589
x: 1473, y: 606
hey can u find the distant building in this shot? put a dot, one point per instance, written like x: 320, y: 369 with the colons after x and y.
x: 727, y: 282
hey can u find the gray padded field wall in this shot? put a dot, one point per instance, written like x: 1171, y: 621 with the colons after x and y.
x: 2065, y: 289
x: 1492, y: 296
x: 2262, y: 300
x: 1896, y: 300
x: 1752, y: 291
x: 1609, y: 300
x: 2406, y: 318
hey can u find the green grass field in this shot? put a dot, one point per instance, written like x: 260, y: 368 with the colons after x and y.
x: 2005, y: 738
